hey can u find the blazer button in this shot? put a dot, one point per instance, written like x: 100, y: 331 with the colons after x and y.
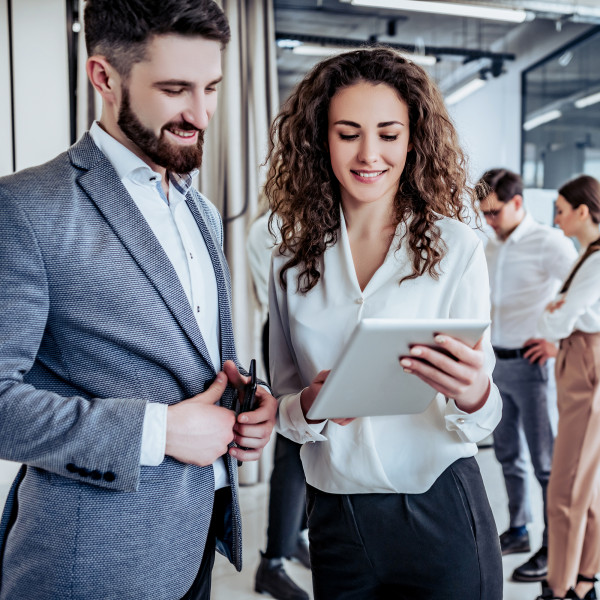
x: 72, y: 468
x: 95, y: 474
x: 109, y: 476
x: 83, y: 472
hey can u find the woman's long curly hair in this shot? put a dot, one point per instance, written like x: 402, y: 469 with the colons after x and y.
x: 304, y: 193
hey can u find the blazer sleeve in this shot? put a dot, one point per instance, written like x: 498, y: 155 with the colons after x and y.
x: 96, y: 440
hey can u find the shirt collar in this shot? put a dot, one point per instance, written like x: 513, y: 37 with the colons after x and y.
x: 182, y: 181
x: 522, y: 228
x: 129, y: 166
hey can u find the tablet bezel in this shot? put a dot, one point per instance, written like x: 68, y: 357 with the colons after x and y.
x: 366, y: 378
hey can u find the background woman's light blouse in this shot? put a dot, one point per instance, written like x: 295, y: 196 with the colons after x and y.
x: 581, y: 309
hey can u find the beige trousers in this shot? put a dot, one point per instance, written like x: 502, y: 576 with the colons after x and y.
x: 574, y: 488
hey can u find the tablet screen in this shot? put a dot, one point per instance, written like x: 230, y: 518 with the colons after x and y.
x: 368, y: 380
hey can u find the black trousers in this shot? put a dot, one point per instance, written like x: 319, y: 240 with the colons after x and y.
x: 439, y: 545
x: 201, y: 587
x: 287, y: 498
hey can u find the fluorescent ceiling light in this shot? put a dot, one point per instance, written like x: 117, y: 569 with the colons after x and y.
x: 546, y: 117
x: 288, y: 44
x: 425, y: 60
x: 449, y: 8
x: 588, y: 100
x: 317, y: 50
x: 464, y: 91
x: 324, y: 50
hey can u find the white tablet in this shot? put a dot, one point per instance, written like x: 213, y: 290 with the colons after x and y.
x: 369, y: 381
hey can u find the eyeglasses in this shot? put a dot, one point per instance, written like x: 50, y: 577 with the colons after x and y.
x: 492, y: 214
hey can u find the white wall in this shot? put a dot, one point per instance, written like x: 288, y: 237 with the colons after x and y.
x: 41, y: 79
x: 5, y: 116
x: 489, y: 121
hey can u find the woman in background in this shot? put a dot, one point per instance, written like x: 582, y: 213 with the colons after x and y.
x: 287, y: 505
x: 574, y: 319
x: 367, y: 181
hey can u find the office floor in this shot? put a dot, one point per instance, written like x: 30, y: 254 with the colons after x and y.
x: 230, y: 585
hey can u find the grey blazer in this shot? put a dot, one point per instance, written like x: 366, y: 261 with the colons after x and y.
x: 94, y: 323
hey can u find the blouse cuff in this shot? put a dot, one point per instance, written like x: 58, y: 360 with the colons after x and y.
x: 476, y: 426
x: 292, y: 424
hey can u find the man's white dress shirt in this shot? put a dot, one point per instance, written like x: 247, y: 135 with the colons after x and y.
x: 526, y: 271
x: 175, y: 228
x: 581, y: 309
x: 308, y: 331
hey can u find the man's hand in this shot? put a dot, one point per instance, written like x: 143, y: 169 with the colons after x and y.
x: 253, y: 428
x: 199, y: 431
x: 460, y: 376
x: 539, y: 350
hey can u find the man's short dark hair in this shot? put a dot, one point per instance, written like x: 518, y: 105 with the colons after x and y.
x: 503, y: 182
x: 120, y: 30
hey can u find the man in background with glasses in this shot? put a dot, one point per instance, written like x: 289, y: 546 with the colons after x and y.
x: 527, y: 262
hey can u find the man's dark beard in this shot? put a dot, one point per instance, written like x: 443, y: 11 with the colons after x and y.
x: 177, y: 159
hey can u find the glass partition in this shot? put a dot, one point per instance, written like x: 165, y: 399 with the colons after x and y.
x: 561, y: 115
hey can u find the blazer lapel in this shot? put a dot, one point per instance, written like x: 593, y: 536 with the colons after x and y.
x: 222, y: 276
x: 101, y: 183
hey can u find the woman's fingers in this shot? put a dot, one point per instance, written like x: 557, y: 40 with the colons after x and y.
x: 452, y: 368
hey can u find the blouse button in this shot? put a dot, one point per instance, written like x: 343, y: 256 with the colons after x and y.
x: 360, y: 300
x: 460, y: 421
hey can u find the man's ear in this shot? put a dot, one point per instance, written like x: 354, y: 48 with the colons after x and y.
x: 518, y: 200
x: 104, y: 77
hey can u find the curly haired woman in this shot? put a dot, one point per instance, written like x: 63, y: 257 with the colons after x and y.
x: 367, y: 180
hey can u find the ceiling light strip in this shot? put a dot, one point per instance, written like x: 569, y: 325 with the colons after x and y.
x: 511, y: 15
x: 546, y: 117
x: 325, y: 50
x: 466, y: 90
x: 587, y: 100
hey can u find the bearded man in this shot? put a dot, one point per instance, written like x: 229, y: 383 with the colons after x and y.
x: 118, y: 368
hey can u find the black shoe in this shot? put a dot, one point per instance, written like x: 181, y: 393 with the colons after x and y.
x: 548, y: 594
x: 591, y: 595
x: 535, y: 569
x: 511, y: 543
x: 301, y: 553
x: 271, y: 578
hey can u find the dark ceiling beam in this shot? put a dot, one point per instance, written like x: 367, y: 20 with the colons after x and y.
x: 469, y: 54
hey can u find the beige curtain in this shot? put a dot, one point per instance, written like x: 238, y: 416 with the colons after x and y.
x: 235, y: 147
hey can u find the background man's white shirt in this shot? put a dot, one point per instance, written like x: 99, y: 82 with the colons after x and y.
x: 526, y: 271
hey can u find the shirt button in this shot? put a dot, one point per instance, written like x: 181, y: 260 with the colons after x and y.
x: 197, y: 309
x: 460, y: 421
x: 360, y: 300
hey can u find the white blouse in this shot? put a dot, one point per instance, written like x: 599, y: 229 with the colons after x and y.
x: 581, y: 310
x: 396, y: 454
